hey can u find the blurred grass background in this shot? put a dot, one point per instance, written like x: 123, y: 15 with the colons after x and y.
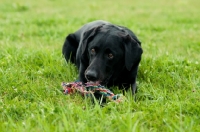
x: 32, y: 67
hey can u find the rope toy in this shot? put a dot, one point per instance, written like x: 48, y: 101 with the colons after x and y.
x: 89, y: 89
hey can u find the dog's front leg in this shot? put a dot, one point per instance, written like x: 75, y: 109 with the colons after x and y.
x: 82, y: 69
x: 134, y: 88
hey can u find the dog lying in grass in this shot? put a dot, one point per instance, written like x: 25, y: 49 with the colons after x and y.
x: 104, y: 53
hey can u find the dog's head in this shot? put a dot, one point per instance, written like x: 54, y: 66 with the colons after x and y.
x: 109, y: 50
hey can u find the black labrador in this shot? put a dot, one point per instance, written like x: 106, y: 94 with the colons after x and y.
x: 104, y: 53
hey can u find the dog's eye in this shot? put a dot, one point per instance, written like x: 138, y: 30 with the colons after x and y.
x: 110, y: 56
x: 93, y: 51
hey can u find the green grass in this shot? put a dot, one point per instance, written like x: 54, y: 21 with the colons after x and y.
x: 32, y: 67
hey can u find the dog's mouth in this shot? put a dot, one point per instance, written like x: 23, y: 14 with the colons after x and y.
x: 106, y: 80
x: 93, y: 82
x: 99, y: 82
x: 94, y: 78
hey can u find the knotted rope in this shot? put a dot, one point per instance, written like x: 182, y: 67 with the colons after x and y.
x: 89, y: 89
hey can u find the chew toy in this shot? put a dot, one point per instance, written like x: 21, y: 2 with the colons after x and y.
x: 90, y: 89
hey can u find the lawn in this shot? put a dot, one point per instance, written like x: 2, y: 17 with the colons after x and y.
x: 32, y: 66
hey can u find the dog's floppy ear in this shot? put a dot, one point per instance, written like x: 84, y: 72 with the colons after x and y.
x: 133, y: 51
x: 69, y: 48
x: 87, y: 36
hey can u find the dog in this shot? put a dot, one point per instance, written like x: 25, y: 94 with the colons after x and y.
x: 104, y: 53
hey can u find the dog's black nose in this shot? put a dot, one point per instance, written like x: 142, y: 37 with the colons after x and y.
x: 91, y: 75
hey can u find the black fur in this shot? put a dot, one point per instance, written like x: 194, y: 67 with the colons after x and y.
x: 104, y: 53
